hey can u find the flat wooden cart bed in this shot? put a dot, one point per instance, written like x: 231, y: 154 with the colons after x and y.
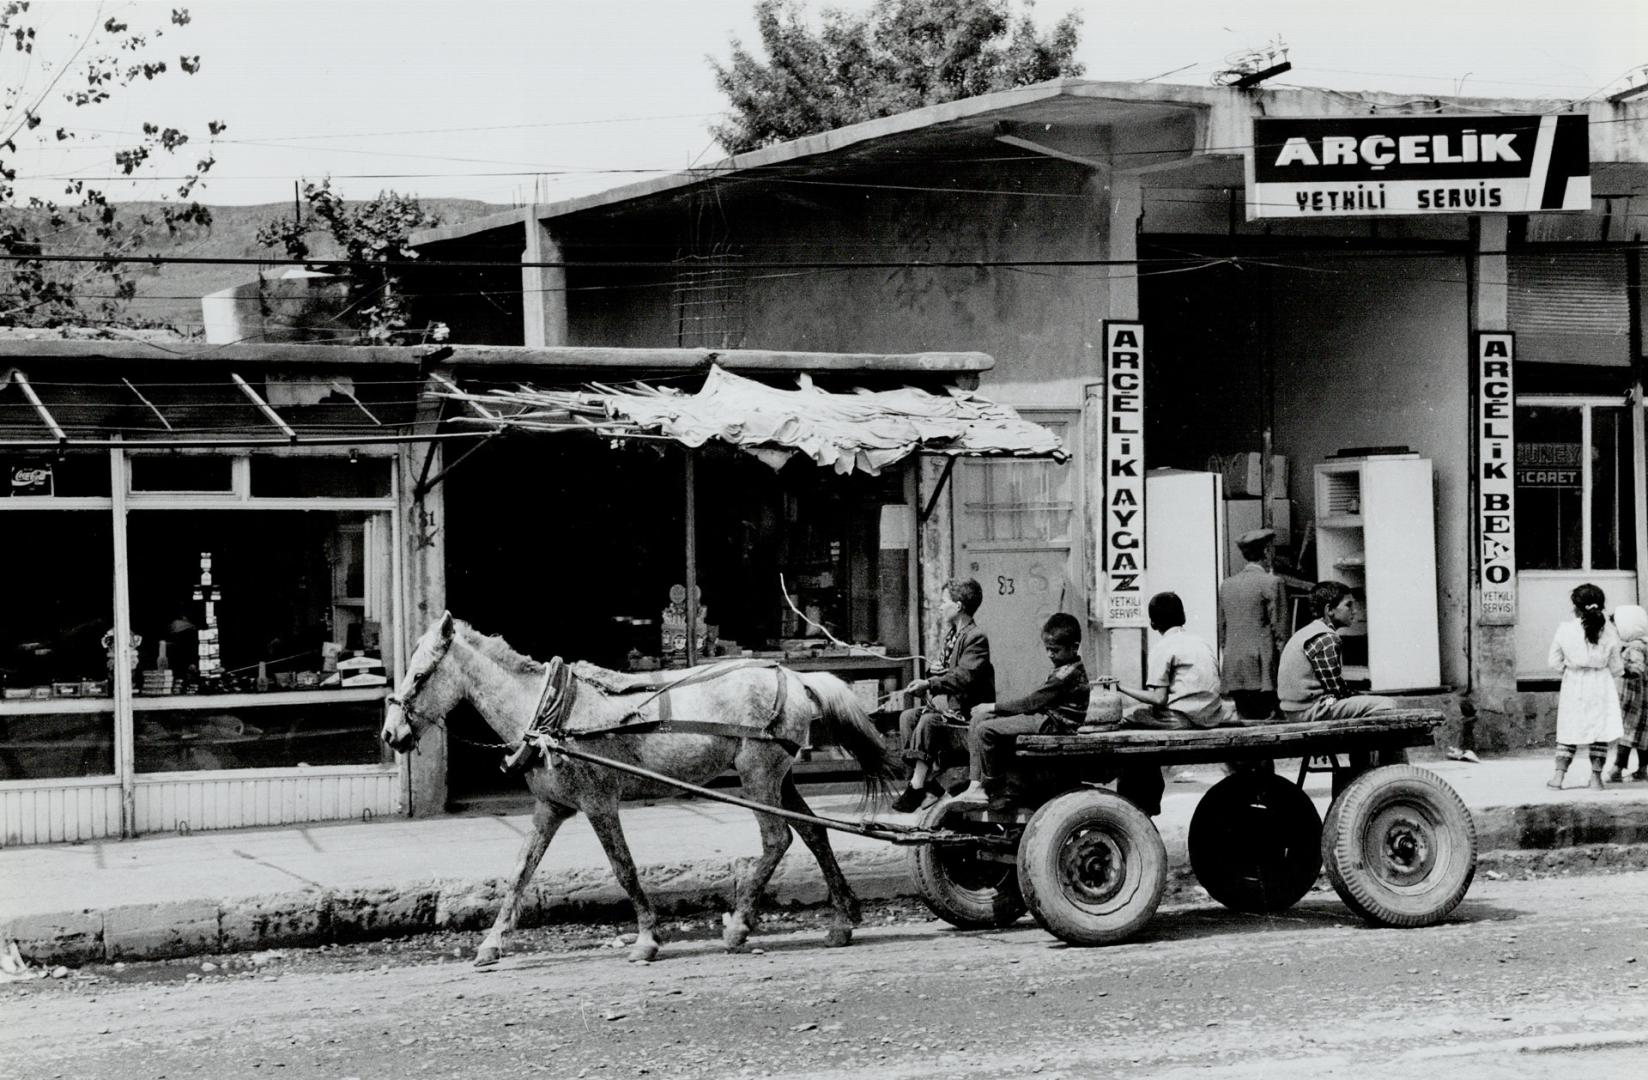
x: 1398, y: 844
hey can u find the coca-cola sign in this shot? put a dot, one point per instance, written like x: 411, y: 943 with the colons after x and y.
x: 31, y: 479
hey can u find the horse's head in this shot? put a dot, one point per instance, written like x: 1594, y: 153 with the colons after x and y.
x: 424, y: 695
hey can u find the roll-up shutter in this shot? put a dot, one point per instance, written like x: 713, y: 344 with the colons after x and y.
x: 1570, y: 307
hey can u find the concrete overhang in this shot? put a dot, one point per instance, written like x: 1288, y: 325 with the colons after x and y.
x: 619, y: 362
x: 1170, y: 135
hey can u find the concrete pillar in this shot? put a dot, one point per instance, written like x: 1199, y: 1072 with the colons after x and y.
x: 1125, y: 647
x: 1500, y: 722
x: 543, y: 288
x: 423, y: 570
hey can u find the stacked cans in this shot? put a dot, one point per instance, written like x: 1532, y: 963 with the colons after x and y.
x: 211, y: 664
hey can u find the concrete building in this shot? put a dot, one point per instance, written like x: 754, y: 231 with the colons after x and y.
x: 1021, y: 223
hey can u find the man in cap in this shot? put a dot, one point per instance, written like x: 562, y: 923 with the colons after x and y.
x: 1253, y: 627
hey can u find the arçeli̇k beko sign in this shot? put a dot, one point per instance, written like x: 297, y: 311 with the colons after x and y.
x: 1373, y: 165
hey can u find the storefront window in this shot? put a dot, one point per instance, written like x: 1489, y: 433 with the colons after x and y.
x: 1570, y: 458
x: 268, y: 736
x: 270, y: 624
x: 1613, y: 511
x: 62, y: 476
x: 192, y: 473
x: 308, y: 477
x: 57, y: 713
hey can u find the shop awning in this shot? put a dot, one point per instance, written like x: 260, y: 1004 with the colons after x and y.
x: 858, y: 430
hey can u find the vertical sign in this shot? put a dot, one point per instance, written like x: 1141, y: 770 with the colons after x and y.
x: 1124, y: 474
x: 1496, y: 478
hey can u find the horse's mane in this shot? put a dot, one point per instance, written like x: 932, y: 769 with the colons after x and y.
x: 498, y: 650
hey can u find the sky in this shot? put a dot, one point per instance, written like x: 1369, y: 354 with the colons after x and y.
x: 511, y: 101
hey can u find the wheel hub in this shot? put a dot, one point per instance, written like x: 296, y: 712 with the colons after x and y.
x: 1406, y: 846
x: 1092, y: 866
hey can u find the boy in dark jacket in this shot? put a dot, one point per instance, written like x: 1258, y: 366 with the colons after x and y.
x: 1056, y: 707
x: 965, y: 679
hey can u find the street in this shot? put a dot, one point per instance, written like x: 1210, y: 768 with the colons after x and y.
x: 1532, y: 978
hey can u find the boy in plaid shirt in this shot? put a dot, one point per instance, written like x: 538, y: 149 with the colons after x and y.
x: 1310, y: 678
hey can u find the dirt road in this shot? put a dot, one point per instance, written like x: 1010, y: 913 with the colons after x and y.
x: 1530, y: 979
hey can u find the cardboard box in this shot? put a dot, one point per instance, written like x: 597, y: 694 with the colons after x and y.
x: 1243, y: 474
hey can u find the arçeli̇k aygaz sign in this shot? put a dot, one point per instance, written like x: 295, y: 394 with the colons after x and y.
x: 1365, y: 166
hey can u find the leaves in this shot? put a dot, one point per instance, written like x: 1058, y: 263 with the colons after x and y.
x: 900, y: 55
x: 67, y: 71
x: 378, y: 231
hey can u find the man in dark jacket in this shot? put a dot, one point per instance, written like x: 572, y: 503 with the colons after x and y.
x: 966, y: 679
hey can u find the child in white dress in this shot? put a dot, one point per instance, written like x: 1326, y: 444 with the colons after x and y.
x: 1587, y: 652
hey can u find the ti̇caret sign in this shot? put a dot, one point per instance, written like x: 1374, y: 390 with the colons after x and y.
x: 1496, y: 451
x: 1367, y: 166
x: 1123, y: 515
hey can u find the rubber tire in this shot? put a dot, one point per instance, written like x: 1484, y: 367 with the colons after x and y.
x: 1052, y: 861
x: 1418, y: 885
x: 1256, y: 843
x: 963, y: 891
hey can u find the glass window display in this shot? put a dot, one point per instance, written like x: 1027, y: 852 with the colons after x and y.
x: 57, y: 715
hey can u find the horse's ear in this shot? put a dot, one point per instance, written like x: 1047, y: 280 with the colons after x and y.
x: 446, y: 624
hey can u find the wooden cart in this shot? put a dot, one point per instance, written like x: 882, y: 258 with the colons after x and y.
x: 1398, y: 844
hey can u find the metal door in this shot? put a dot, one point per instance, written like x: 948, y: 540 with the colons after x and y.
x: 1017, y: 533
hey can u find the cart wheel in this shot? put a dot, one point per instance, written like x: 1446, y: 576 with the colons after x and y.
x: 1092, y: 867
x: 1400, y: 847
x: 1256, y: 842
x: 960, y: 887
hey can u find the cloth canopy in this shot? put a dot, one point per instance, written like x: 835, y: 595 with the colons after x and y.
x: 864, y: 430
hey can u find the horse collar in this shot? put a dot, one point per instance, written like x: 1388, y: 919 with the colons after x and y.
x: 553, y: 699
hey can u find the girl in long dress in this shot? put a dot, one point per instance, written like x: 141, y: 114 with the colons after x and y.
x: 1587, y: 652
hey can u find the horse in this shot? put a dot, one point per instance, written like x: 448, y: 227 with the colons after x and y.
x: 749, y: 715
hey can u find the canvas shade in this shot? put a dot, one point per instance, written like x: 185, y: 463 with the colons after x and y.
x: 860, y: 430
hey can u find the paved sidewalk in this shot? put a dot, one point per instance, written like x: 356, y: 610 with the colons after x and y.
x: 258, y: 888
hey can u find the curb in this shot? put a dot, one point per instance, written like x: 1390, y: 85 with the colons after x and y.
x: 161, y: 931
x: 1547, y: 838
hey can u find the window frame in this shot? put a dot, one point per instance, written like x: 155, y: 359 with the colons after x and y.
x: 123, y: 703
x: 1585, y: 404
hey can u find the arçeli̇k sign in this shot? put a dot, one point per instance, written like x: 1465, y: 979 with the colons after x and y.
x: 1365, y: 166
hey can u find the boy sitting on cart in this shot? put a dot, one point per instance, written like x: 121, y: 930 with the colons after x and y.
x: 1056, y: 707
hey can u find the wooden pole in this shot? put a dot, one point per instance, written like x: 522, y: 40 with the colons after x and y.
x: 120, y: 679
x: 688, y: 481
x: 912, y: 499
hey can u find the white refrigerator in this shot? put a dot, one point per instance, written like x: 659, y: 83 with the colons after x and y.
x: 1184, y: 547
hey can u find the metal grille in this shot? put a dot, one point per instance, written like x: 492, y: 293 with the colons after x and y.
x: 709, y: 300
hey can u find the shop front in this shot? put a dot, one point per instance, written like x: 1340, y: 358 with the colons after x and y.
x: 578, y: 532
x: 202, y: 620
x: 220, y: 560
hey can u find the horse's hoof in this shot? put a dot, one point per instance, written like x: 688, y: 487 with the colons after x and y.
x: 642, y: 954
x: 837, y: 937
x: 733, y: 933
x: 487, y: 955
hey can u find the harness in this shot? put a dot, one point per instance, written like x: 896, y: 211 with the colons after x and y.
x: 561, y: 689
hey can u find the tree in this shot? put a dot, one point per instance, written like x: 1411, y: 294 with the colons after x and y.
x: 899, y: 55
x: 377, y: 232
x: 50, y: 67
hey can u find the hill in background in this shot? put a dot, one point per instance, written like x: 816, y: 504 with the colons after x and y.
x: 170, y: 293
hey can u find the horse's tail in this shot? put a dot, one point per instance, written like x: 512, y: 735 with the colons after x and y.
x: 851, y: 728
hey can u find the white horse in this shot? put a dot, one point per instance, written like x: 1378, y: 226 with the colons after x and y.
x: 749, y: 716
